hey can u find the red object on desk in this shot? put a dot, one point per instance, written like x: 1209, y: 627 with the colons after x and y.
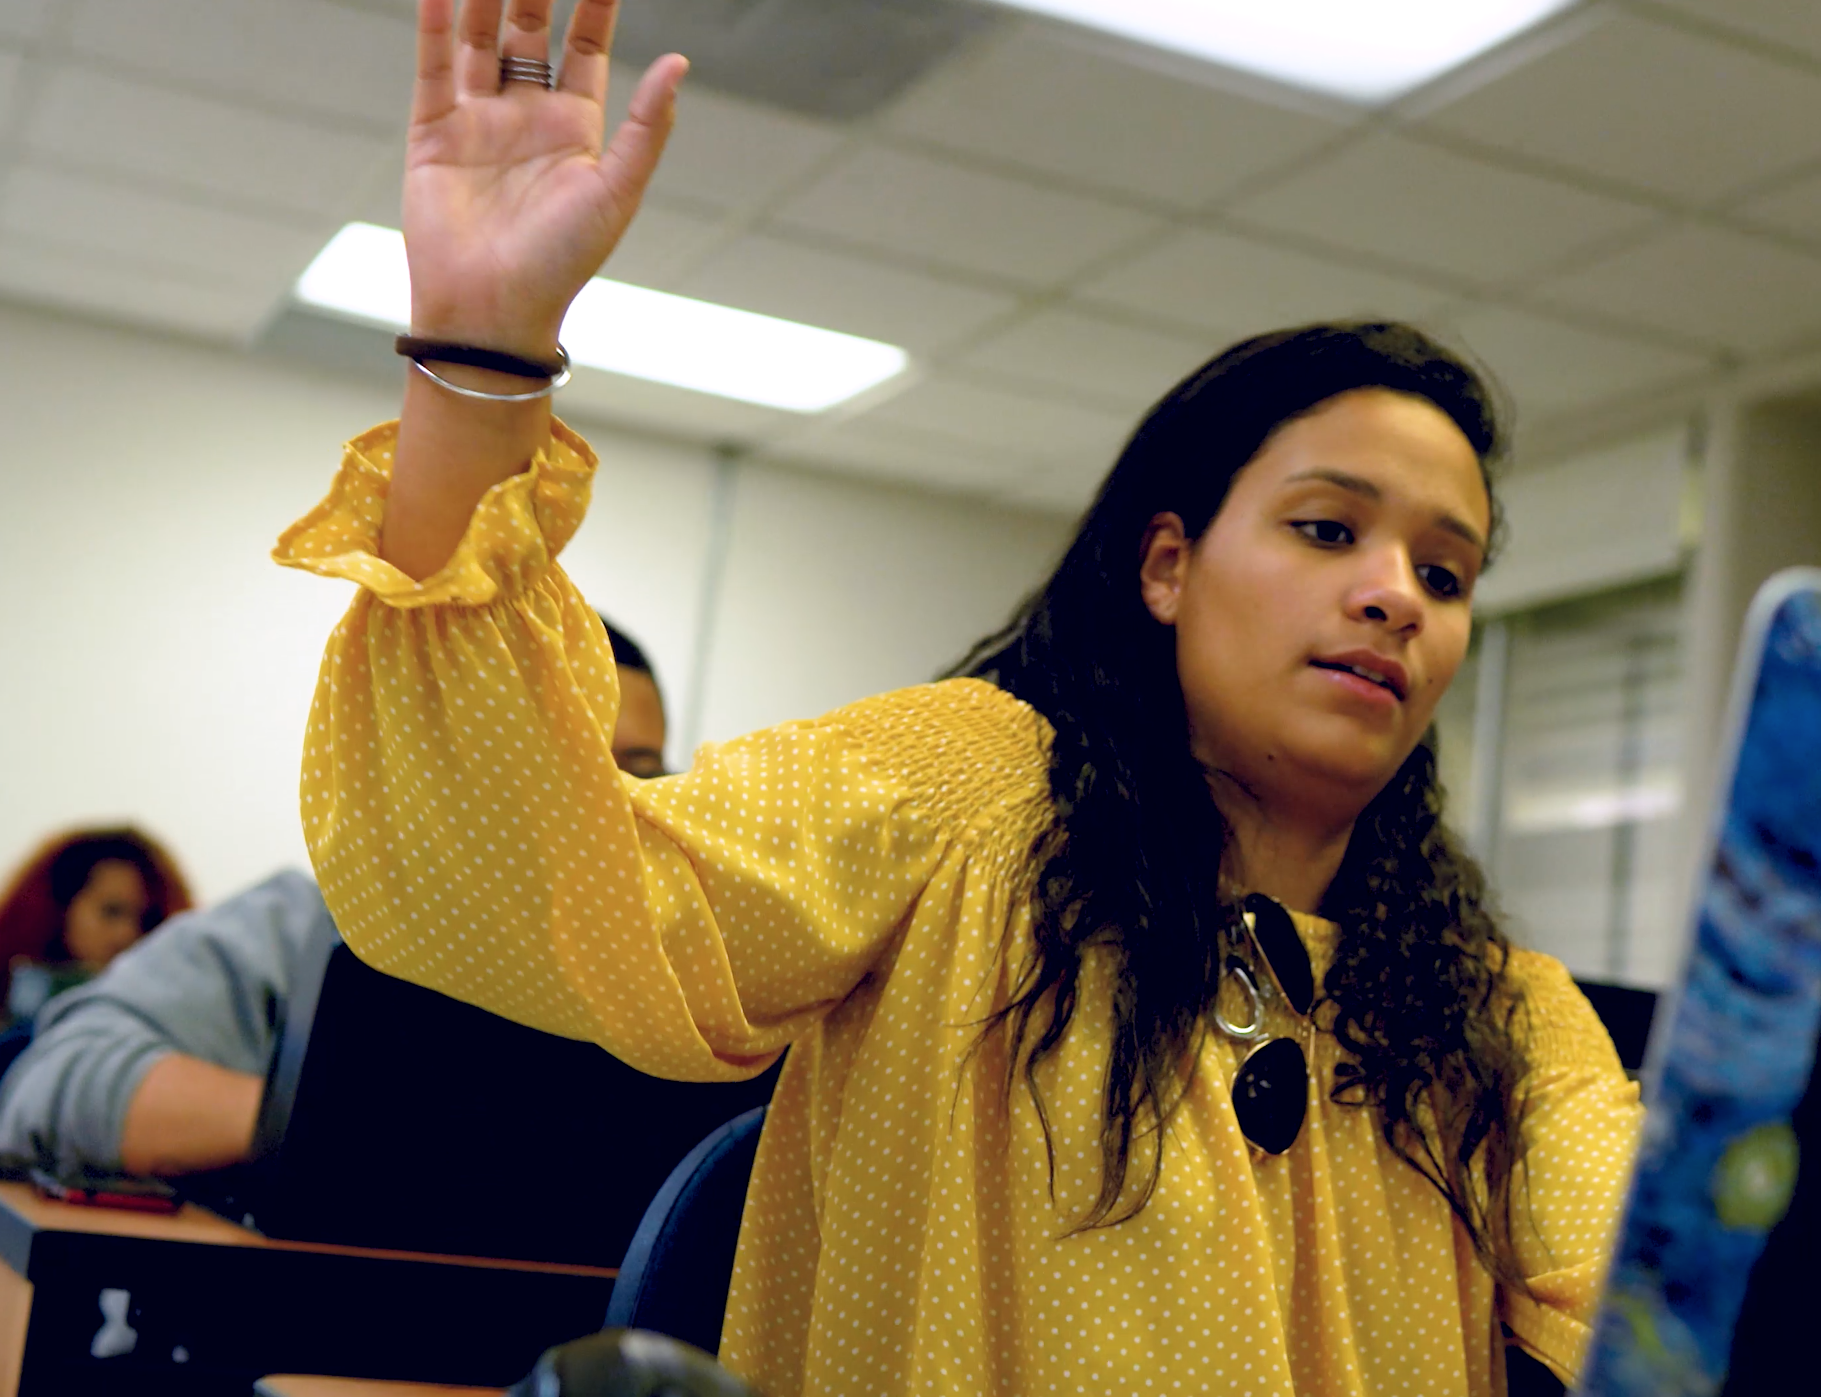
x: 106, y: 1197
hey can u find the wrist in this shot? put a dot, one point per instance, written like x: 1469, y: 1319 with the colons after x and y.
x: 484, y: 380
x: 505, y: 334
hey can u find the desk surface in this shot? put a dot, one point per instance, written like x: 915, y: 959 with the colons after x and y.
x: 23, y: 1211
x: 294, y: 1385
x: 194, y: 1296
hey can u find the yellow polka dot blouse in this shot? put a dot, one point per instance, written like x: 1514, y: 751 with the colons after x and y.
x: 857, y: 886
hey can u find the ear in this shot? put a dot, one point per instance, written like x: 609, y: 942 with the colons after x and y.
x: 1164, y: 566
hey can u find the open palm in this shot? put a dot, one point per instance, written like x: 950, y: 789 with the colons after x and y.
x: 510, y: 201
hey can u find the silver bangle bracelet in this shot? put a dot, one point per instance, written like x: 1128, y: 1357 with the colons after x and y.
x: 485, y: 397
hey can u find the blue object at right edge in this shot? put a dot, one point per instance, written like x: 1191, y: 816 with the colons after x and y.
x: 1718, y: 1162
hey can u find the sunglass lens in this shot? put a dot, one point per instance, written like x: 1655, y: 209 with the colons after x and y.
x: 1277, y: 939
x: 1270, y: 1095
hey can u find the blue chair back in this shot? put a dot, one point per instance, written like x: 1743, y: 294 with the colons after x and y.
x: 676, y: 1273
x: 13, y: 1043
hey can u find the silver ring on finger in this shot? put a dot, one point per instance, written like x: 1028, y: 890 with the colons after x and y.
x: 535, y: 70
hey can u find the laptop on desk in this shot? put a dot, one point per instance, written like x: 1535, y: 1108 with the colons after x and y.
x: 1716, y: 1281
x: 397, y: 1117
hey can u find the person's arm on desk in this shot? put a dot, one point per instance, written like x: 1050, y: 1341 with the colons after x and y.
x: 189, y: 1115
x: 157, y: 1065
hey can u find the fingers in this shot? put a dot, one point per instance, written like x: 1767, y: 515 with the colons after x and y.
x: 469, y: 67
x: 434, y: 93
x: 477, y: 58
x: 587, y: 48
x: 527, y: 30
x: 633, y: 154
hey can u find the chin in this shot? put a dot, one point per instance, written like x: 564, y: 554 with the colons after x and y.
x: 1361, y: 769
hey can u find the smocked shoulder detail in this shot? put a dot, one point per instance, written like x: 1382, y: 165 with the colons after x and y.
x: 973, y: 759
x: 1560, y: 1029
x: 519, y: 526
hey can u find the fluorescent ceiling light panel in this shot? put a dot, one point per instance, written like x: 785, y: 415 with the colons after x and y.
x: 362, y: 274
x: 1363, y: 50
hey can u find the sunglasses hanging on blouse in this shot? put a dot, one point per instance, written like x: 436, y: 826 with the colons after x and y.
x: 1271, y: 1090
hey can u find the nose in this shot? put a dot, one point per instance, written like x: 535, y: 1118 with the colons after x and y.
x: 1387, y: 593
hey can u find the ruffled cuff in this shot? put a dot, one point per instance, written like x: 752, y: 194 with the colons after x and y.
x: 517, y: 529
x: 1555, y: 1325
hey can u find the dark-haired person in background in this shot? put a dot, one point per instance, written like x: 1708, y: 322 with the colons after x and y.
x: 1153, y: 1032
x: 157, y: 1066
x: 83, y: 897
x: 640, y: 730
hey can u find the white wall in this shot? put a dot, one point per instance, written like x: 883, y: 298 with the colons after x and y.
x: 1761, y: 513
x: 1596, y: 520
x: 156, y: 666
x: 893, y: 584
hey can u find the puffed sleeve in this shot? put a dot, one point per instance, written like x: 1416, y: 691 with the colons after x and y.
x: 1581, y: 1119
x: 472, y: 834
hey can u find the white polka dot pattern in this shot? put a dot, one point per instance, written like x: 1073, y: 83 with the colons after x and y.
x: 858, y: 886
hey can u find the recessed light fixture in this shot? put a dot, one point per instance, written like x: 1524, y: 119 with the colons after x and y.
x: 1362, y: 50
x: 631, y: 330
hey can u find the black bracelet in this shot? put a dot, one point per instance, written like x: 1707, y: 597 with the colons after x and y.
x: 445, y: 352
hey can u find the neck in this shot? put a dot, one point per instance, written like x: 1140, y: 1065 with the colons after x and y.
x: 1286, y: 852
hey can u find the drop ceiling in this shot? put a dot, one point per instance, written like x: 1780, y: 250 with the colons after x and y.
x: 1615, y: 213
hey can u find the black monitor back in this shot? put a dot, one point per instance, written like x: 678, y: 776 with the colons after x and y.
x: 397, y: 1117
x: 1627, y: 1014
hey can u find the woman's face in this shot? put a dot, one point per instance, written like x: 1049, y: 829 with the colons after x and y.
x: 108, y: 915
x: 1325, y: 609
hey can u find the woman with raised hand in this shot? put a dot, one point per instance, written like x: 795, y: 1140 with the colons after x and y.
x: 1151, y: 1030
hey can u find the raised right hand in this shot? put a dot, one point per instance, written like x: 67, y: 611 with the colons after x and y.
x: 510, y: 201
x: 511, y: 205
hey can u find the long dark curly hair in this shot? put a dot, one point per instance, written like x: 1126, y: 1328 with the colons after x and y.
x: 1131, y: 864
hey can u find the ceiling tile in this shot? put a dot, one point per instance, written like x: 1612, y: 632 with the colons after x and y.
x: 23, y: 19
x: 1236, y: 286
x: 1721, y: 288
x: 330, y: 58
x: 1794, y: 209
x: 961, y: 218
x: 851, y: 294
x: 11, y: 65
x: 1055, y: 106
x: 1035, y: 430
x: 1065, y: 347
x: 1650, y: 107
x: 661, y: 244
x: 1795, y: 24
x: 143, y: 229
x: 1434, y: 210
x: 1551, y: 367
x: 727, y: 153
x: 108, y: 123
x: 380, y: 198
x: 873, y: 449
x: 105, y: 287
x: 620, y: 400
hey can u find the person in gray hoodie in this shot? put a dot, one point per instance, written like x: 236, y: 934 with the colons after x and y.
x: 157, y: 1066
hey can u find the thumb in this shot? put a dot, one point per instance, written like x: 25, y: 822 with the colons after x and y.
x: 632, y: 156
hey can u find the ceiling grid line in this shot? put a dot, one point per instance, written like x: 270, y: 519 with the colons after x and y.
x: 1720, y: 32
x: 1100, y: 218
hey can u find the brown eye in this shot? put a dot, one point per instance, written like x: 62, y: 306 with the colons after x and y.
x: 1439, y: 580
x: 1330, y: 533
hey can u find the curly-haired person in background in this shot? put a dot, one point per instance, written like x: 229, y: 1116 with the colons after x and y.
x: 1151, y: 1031
x: 83, y: 897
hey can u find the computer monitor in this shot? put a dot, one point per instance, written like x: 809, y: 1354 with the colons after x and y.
x: 1713, y: 1284
x: 397, y: 1117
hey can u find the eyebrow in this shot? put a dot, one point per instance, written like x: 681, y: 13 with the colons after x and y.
x: 1366, y: 489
